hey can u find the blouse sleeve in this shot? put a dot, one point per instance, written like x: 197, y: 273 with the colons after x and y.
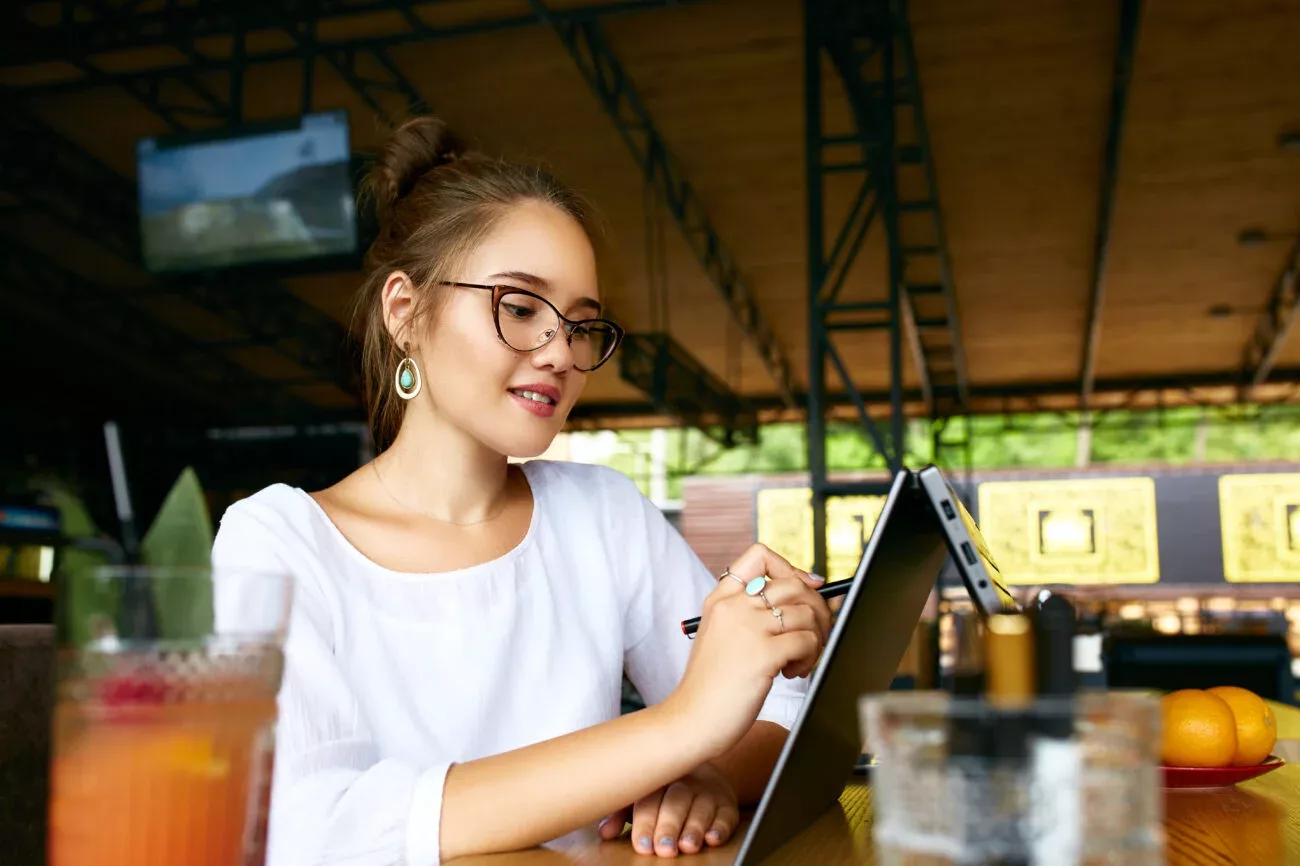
x: 668, y: 583
x: 333, y: 800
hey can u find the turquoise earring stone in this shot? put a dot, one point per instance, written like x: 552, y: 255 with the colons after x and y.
x: 756, y: 584
x: 407, y: 380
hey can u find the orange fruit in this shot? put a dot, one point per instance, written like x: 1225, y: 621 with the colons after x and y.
x: 1256, y: 727
x: 1200, y: 729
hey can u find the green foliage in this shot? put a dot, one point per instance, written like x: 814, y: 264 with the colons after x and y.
x: 1019, y: 441
x: 1043, y: 440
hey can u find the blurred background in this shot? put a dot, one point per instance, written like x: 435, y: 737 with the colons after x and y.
x: 1049, y: 245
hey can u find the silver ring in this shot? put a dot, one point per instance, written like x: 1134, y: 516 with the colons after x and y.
x: 776, y: 612
x: 762, y: 593
x: 726, y: 572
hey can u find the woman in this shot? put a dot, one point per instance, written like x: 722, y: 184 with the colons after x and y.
x: 461, y: 624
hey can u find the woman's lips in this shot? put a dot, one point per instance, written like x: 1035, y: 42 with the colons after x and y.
x: 538, y: 399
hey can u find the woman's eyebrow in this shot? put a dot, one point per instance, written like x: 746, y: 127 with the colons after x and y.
x: 542, y: 285
x: 523, y: 277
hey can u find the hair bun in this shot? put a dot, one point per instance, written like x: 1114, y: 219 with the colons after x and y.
x: 415, y: 148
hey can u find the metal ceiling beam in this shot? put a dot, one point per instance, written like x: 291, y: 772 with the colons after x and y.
x: 47, y: 173
x: 183, y: 23
x: 99, y: 318
x: 371, y: 73
x: 679, y: 386
x: 197, y: 99
x: 177, y: 100
x: 987, y: 399
x: 935, y: 321
x: 1275, y: 322
x: 613, y: 87
x: 1130, y: 16
x: 51, y: 174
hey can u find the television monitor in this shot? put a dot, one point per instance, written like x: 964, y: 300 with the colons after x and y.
x: 267, y: 194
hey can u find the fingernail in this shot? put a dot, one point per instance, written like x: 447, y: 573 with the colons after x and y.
x: 690, y: 839
x: 666, y: 841
x: 817, y: 578
x: 644, y: 842
x: 713, y: 836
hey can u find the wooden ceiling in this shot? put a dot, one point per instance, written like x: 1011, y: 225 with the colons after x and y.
x: 1018, y: 100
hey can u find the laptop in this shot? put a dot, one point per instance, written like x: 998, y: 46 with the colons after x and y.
x: 923, y: 522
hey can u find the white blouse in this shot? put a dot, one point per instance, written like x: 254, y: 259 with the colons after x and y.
x: 392, y: 677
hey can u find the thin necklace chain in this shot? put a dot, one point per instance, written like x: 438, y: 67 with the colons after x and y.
x: 374, y: 464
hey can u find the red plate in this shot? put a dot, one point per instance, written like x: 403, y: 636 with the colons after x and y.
x: 1217, y: 777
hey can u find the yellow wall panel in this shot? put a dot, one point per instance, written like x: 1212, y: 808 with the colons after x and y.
x: 1072, y: 531
x: 1260, y: 521
x: 785, y: 525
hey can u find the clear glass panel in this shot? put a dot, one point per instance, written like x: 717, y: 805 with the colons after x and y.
x: 960, y: 781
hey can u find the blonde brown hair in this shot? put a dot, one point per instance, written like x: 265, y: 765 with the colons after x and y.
x: 434, y: 200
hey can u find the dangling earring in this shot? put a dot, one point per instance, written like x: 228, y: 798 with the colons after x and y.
x: 408, y: 380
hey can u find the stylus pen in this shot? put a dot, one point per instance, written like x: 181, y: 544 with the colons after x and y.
x: 826, y: 591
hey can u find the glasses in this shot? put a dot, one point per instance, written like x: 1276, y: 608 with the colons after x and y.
x: 526, y: 322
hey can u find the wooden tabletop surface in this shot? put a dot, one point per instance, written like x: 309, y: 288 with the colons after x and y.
x: 1255, y: 822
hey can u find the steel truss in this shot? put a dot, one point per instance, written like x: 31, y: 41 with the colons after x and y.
x: 868, y: 46
x: 617, y: 95
x: 1205, y: 389
x: 681, y: 387
x: 84, y: 29
x: 90, y: 27
x: 1275, y: 321
x: 49, y: 173
x: 1130, y: 16
x: 178, y: 100
x: 98, y: 317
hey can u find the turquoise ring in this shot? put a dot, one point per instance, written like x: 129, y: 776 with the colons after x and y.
x: 756, y: 585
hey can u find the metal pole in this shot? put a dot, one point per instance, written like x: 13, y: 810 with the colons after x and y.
x: 887, y: 173
x: 816, y: 277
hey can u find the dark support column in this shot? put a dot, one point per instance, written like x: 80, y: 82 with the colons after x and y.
x: 868, y: 46
x: 816, y: 279
x: 888, y: 179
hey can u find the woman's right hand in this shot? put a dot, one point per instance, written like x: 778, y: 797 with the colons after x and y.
x: 741, y: 646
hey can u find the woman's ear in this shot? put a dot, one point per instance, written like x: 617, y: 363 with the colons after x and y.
x: 398, y: 301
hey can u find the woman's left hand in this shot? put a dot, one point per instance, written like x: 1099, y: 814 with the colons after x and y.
x: 696, y: 810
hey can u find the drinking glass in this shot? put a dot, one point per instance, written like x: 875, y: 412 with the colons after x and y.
x: 960, y: 780
x: 164, y: 716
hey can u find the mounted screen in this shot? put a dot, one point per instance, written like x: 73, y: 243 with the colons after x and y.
x: 269, y: 194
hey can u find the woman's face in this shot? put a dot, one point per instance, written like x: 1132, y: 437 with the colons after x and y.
x: 513, y: 402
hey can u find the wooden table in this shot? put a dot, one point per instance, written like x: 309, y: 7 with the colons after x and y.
x: 1256, y: 822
